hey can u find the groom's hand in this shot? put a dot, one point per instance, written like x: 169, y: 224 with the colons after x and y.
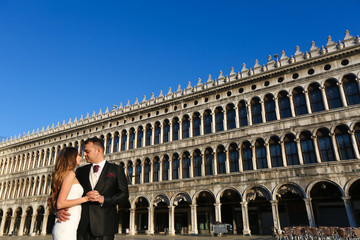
x: 94, y: 196
x: 63, y: 215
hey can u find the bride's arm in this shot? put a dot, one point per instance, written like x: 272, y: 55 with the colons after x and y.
x: 68, y: 181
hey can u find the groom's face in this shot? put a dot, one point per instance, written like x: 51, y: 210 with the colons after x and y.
x: 91, y: 153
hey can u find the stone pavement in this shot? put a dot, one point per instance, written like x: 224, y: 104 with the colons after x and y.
x: 153, y: 237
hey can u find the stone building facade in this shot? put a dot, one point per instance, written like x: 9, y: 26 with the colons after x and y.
x: 271, y: 146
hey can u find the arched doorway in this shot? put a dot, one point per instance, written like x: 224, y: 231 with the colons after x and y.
x: 182, y: 213
x: 141, y: 215
x: 161, y: 214
x: 8, y: 216
x: 18, y: 214
x: 354, y: 194
x: 291, y: 206
x: 39, y: 220
x: 231, y: 210
x: 205, y: 212
x: 259, y: 208
x: 28, y: 218
x: 327, y: 203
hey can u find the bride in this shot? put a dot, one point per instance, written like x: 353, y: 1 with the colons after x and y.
x: 66, y: 192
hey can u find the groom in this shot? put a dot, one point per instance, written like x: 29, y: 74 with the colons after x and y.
x: 106, y: 186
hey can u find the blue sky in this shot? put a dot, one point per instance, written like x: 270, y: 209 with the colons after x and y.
x: 61, y: 59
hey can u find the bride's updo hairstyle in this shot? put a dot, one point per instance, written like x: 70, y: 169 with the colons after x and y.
x: 66, y: 161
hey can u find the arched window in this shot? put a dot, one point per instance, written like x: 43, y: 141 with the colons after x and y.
x: 166, y: 135
x: 186, y: 165
x: 221, y: 160
x: 108, y: 144
x: 175, y: 166
x: 260, y: 154
x: 207, y: 121
x: 243, y: 114
x: 299, y: 101
x: 166, y: 166
x: 315, y: 97
x: 156, y: 169
x: 351, y: 88
x: 325, y: 145
x: 185, y: 127
x: 219, y: 119
x: 123, y: 140
x: 284, y: 105
x: 275, y: 152
x: 270, y: 112
x: 230, y: 115
x: 148, y: 134
x: 344, y: 143
x: 147, y: 170
x: 138, y: 172
x: 234, y: 157
x: 209, y: 162
x: 131, y: 138
x: 140, y: 136
x: 196, y: 124
x: 291, y: 150
x: 197, y: 163
x: 256, y: 110
x: 175, y: 125
x: 246, y: 154
x: 157, y: 133
x: 357, y: 134
x: 130, y: 171
x: 307, y: 148
x: 333, y: 94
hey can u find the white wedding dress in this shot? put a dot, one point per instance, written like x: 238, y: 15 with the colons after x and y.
x: 67, y: 230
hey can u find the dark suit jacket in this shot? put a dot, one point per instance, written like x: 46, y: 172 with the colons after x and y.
x: 112, y: 184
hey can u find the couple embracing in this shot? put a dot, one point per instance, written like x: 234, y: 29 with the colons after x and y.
x: 85, y: 200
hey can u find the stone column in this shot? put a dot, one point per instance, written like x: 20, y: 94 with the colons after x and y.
x: 227, y: 162
x: 170, y: 132
x: 263, y: 112
x: 342, y: 94
x: 44, y: 223
x: 144, y: 137
x: 203, y: 170
x: 218, y: 212
x: 237, y: 117
x: 161, y: 137
x: 151, y: 174
x: 215, y: 163
x: 245, y: 216
x: 307, y: 100
x: 354, y: 143
x: 248, y: 108
x: 161, y: 170
x: 150, y: 230
x: 201, y: 124
x: 309, y: 211
x: 268, y: 155
x: 170, y: 169
x: 317, y: 151
x: 112, y: 143
x: 180, y: 130
x: 292, y: 106
x: 225, y: 126
x: 241, y: 168
x: 12, y: 223
x: 2, y: 225
x: 277, y: 109
x: 349, y: 211
x: 191, y: 125
x: 275, y: 213
x: 132, y: 222
x: 135, y: 139
x: 32, y: 225
x: 21, y: 227
x: 213, y: 122
x: 180, y: 167
x: 172, y: 220
x: 194, y: 228
x: 325, y: 101
x: 298, y: 145
x: 191, y: 166
x: 336, y: 150
x: 283, y: 153
x: 253, y: 150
